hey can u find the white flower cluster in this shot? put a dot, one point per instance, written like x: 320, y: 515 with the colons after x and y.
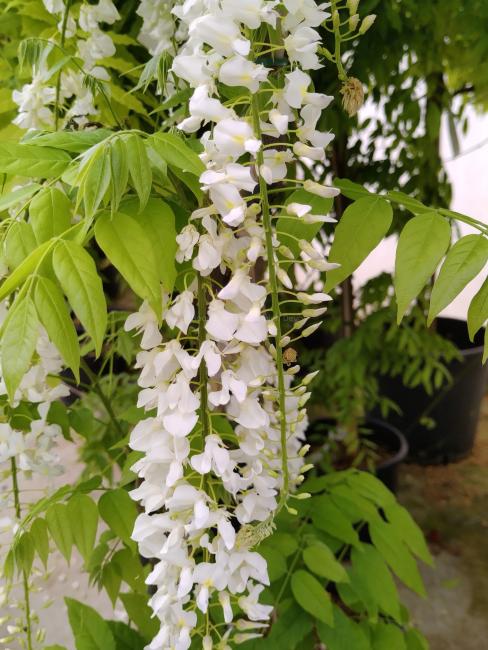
x: 223, y: 444
x: 36, y: 99
x: 35, y: 450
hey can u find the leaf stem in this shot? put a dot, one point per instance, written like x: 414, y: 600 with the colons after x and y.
x: 25, y: 580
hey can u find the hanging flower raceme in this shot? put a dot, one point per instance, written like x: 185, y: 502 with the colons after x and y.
x: 223, y: 447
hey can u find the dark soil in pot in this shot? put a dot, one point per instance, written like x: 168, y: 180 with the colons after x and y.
x: 390, y: 446
x: 441, y: 428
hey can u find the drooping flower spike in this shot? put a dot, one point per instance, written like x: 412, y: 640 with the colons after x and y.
x: 223, y: 452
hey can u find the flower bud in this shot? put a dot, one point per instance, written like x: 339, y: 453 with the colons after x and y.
x: 336, y: 19
x: 311, y: 329
x: 306, y: 468
x: 293, y: 370
x: 353, y: 22
x: 304, y: 399
x: 284, y: 279
x: 314, y: 313
x: 207, y: 643
x: 307, y: 248
x: 304, y: 451
x: 286, y: 252
x: 284, y: 341
x: 352, y: 5
x: 310, y: 377
x: 367, y: 23
x: 291, y: 510
x: 312, y: 298
x: 302, y: 496
x: 324, y: 191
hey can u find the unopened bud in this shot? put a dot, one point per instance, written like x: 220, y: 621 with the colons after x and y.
x: 367, y: 23
x: 304, y: 451
x: 286, y: 252
x: 314, y: 313
x: 284, y: 341
x: 304, y: 399
x: 310, y: 377
x: 352, y: 96
x: 311, y: 329
x: 293, y: 370
x: 353, y: 22
x: 302, y: 496
x: 306, y: 468
x: 284, y: 279
x: 336, y: 19
x: 352, y: 5
x: 325, y: 191
x: 291, y: 510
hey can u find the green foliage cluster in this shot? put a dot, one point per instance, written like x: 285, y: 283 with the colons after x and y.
x: 332, y: 569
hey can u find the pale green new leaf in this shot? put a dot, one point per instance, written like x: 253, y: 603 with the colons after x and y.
x: 96, y: 180
x: 326, y: 516
x: 478, y: 310
x: 17, y: 196
x: 21, y: 326
x: 361, y: 228
x: 24, y: 553
x: 119, y: 512
x: 28, y: 160
x: 311, y: 596
x: 73, y: 141
x: 463, y: 262
x: 387, y: 637
x: 19, y: 243
x: 119, y: 170
x: 39, y: 533
x: 130, y: 250
x: 320, y: 559
x: 139, y: 167
x: 90, y: 630
x: 59, y: 526
x: 22, y: 272
x: 49, y: 213
x: 422, y: 244
x: 77, y: 275
x: 54, y: 315
x: 177, y: 153
x: 83, y: 516
x: 158, y: 221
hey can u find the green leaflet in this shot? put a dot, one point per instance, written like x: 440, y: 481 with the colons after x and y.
x: 119, y: 512
x: 139, y: 167
x: 140, y: 614
x: 311, y: 596
x: 463, y: 263
x: 24, y: 553
x: 73, y: 141
x: 350, y: 189
x: 59, y: 525
x: 130, y: 250
x: 177, y: 153
x: 411, y: 534
x: 21, y: 325
x: 77, y: 275
x: 11, y: 198
x: 158, y: 221
x: 40, y: 537
x: 320, y: 559
x: 54, y: 315
x: 387, y: 637
x: 478, y: 310
x: 344, y: 634
x: 421, y: 245
x: 95, y: 180
x: 327, y: 517
x: 90, y: 630
x: 35, y: 162
x: 119, y: 170
x: 360, y: 229
x: 126, y: 638
x: 372, y: 581
x: 391, y: 546
x: 49, y: 214
x: 83, y: 516
x: 19, y: 243
x: 22, y: 272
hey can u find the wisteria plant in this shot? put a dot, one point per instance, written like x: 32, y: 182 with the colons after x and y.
x: 191, y: 169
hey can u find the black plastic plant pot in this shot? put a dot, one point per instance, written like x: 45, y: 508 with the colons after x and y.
x: 441, y: 428
x: 390, y: 442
